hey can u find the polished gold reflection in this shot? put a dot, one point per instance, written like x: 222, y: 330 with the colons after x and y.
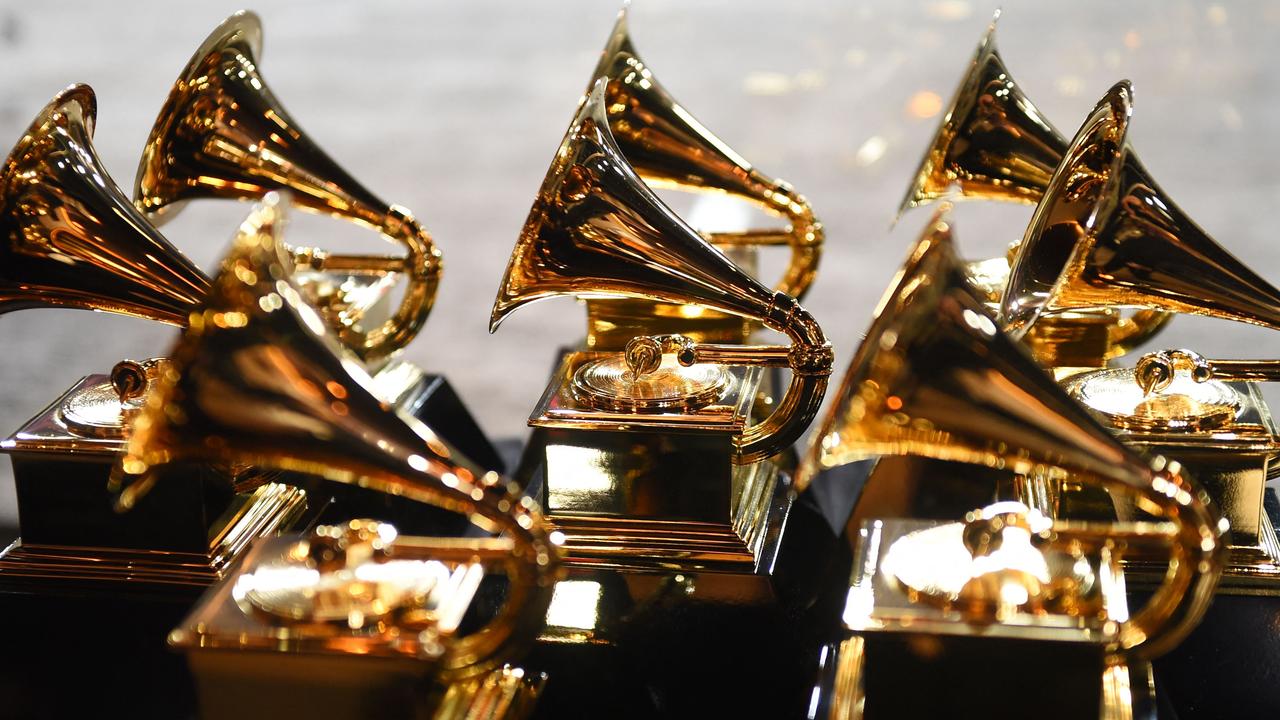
x: 934, y: 377
x: 257, y: 378
x: 1105, y: 235
x: 993, y: 143
x: 668, y: 148
x: 596, y: 230
x: 71, y: 239
x: 223, y: 134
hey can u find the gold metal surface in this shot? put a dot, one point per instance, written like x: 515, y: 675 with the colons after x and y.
x: 1181, y: 405
x: 610, y: 383
x: 1081, y: 339
x: 1221, y: 431
x: 993, y: 143
x: 1157, y: 371
x: 668, y: 148
x: 1105, y: 235
x: 565, y: 405
x: 508, y: 693
x: 596, y: 230
x: 257, y: 378
x: 105, y: 409
x: 935, y: 377
x: 71, y: 238
x: 223, y: 134
x: 996, y: 564
x: 1050, y: 593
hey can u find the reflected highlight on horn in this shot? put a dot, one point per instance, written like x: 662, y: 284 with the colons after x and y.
x: 257, y: 379
x: 936, y: 378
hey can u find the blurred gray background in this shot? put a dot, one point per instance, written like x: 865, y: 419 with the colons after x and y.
x: 455, y: 109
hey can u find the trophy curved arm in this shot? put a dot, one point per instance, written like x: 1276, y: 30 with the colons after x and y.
x: 804, y: 234
x: 1195, y: 537
x: 222, y: 133
x: 809, y: 358
x: 422, y: 267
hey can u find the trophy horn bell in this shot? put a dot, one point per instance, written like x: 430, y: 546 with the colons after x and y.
x: 934, y: 377
x: 597, y: 230
x: 223, y: 134
x: 1105, y: 235
x: 993, y: 144
x: 70, y: 238
x: 668, y: 148
x: 257, y: 378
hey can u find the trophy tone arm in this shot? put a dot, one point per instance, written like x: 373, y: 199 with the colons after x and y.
x: 809, y: 358
x: 1155, y: 371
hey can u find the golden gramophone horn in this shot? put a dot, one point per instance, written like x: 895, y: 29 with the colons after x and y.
x: 668, y: 148
x: 257, y: 379
x: 71, y: 239
x: 597, y: 231
x: 993, y: 143
x: 223, y: 134
x: 1105, y: 235
x: 934, y: 377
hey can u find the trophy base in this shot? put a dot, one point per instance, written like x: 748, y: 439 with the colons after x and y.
x: 925, y: 676
x: 252, y: 662
x: 762, y: 501
x: 244, y: 685
x: 39, y: 568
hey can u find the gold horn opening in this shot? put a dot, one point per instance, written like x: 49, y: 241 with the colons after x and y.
x: 70, y: 238
x: 993, y: 144
x: 668, y: 148
x: 223, y: 134
x: 1105, y: 235
x: 257, y: 379
x: 934, y: 377
x: 597, y: 230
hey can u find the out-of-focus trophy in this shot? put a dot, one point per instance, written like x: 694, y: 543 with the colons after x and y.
x: 936, y: 608
x: 222, y: 133
x: 71, y: 239
x: 653, y: 461
x: 994, y: 144
x: 350, y: 620
x: 1105, y: 235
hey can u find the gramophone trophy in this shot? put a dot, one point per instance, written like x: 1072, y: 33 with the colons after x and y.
x: 937, y: 608
x: 669, y: 149
x: 652, y: 462
x: 71, y: 239
x: 352, y: 619
x: 994, y: 144
x: 223, y: 134
x: 1105, y: 234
